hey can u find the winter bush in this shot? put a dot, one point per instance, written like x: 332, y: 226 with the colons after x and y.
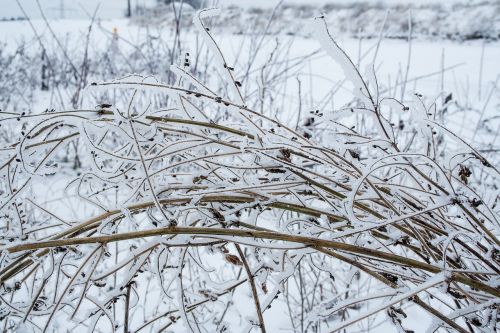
x: 201, y: 212
x: 453, y: 20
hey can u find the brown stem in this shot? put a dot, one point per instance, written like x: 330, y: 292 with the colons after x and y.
x: 127, y: 304
x: 251, y: 281
x: 214, y: 232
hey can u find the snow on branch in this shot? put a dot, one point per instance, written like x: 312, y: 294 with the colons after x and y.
x: 179, y: 209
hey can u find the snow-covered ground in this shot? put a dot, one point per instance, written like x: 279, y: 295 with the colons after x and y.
x: 57, y: 9
x: 467, y: 70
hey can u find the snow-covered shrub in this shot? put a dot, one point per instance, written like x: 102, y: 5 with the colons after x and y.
x: 478, y: 19
x: 184, y: 220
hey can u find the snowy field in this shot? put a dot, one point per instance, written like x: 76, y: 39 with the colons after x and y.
x: 467, y: 70
x: 238, y: 174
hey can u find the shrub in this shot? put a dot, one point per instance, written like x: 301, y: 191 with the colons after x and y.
x: 180, y: 211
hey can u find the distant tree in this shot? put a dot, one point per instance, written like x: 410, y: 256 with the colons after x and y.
x: 129, y: 9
